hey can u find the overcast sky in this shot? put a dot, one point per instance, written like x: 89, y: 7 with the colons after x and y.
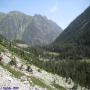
x: 60, y: 11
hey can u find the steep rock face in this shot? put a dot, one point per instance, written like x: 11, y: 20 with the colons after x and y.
x: 2, y: 15
x: 76, y: 30
x: 13, y: 25
x: 34, y: 30
x: 41, y: 31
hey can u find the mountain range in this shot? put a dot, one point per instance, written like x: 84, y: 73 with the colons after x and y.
x: 33, y: 30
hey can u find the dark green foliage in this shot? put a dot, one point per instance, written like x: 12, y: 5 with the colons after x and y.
x: 29, y: 69
x: 78, y: 71
x: 13, y: 62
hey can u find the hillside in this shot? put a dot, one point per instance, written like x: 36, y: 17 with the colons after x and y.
x: 18, y: 70
x: 78, y: 31
x: 35, y: 68
x: 33, y: 30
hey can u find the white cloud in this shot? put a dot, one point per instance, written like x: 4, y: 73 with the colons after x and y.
x: 54, y: 8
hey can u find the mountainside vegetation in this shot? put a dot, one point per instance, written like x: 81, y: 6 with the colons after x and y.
x: 77, y: 70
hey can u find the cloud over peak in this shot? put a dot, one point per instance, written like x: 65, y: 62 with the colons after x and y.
x: 54, y: 8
